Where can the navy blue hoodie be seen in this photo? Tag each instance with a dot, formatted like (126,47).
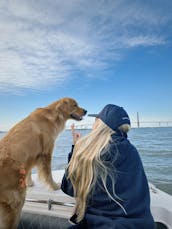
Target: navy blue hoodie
(131,210)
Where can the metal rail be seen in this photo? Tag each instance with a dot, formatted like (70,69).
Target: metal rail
(50,202)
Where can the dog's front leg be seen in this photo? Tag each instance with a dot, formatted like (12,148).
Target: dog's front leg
(44,171)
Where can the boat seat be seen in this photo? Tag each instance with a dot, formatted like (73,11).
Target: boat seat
(37,221)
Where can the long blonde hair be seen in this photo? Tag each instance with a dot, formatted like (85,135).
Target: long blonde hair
(86,164)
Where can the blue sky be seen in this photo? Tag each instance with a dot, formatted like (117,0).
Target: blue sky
(96,52)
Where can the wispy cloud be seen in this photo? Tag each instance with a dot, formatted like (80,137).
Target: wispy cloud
(144,41)
(43,42)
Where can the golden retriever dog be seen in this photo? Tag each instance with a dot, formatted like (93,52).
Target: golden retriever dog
(30,143)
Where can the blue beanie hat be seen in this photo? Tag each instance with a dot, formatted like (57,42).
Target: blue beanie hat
(113,116)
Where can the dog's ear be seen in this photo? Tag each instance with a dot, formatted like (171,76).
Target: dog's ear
(61,106)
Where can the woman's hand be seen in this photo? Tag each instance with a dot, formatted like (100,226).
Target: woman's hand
(75,135)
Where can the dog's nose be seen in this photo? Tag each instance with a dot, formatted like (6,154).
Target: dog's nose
(85,112)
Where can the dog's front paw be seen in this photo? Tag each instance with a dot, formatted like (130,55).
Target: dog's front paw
(55,186)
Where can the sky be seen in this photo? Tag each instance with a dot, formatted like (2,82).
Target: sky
(95,51)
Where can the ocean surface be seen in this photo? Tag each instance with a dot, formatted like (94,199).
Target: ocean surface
(153,144)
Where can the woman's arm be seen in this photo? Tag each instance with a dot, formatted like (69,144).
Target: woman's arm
(66,185)
(70,154)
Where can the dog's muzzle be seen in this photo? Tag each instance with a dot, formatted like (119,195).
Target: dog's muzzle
(78,117)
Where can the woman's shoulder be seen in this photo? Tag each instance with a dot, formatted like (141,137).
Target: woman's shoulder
(119,142)
(125,153)
(122,142)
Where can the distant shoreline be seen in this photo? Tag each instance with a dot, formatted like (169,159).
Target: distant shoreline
(134,127)
(89,128)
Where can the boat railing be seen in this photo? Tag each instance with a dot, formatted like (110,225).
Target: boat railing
(49,202)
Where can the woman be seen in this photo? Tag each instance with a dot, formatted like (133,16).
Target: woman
(106,176)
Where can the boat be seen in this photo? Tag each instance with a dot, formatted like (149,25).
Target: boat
(45,209)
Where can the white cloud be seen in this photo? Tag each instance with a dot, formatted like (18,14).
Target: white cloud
(143,41)
(42,42)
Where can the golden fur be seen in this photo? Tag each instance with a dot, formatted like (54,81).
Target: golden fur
(30,143)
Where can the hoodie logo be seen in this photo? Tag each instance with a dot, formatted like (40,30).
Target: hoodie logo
(125,118)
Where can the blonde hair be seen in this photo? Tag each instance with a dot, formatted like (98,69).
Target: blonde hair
(86,164)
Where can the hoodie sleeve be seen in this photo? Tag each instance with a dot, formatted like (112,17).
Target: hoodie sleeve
(66,185)
(70,154)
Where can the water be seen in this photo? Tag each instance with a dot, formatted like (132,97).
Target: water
(155,148)
(153,144)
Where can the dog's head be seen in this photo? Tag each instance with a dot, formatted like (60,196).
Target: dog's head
(70,109)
